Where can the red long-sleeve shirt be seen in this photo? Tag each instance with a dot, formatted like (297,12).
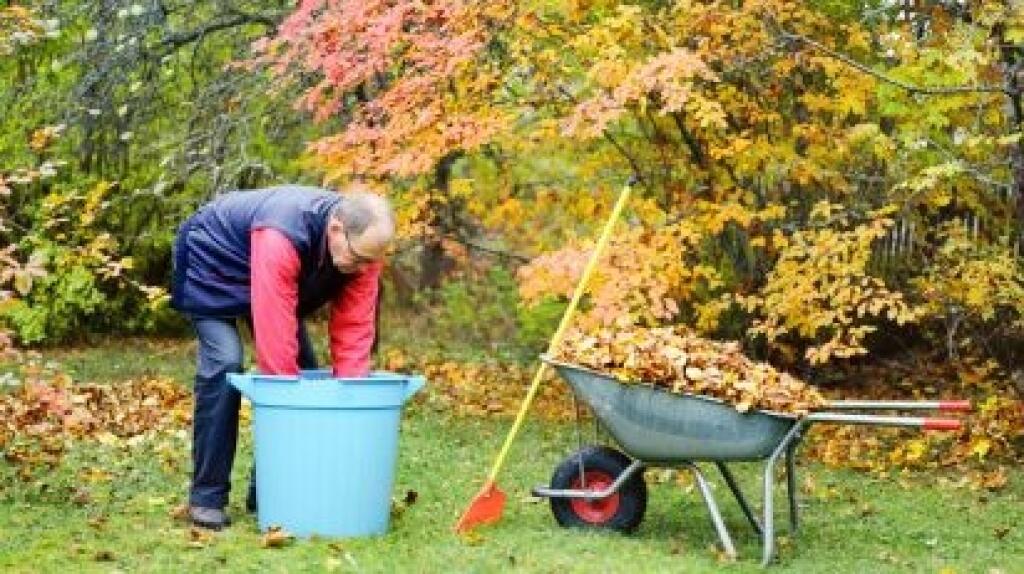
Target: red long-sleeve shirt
(275,294)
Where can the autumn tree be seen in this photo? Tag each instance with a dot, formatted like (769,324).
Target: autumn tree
(127,116)
(831,150)
(857,133)
(414,86)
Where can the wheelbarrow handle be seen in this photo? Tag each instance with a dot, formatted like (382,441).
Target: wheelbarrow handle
(942,406)
(925,423)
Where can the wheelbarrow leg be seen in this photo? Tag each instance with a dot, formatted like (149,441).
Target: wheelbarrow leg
(791,488)
(716,517)
(768,525)
(742,500)
(786,446)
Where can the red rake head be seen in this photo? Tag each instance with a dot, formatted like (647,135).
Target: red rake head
(485,508)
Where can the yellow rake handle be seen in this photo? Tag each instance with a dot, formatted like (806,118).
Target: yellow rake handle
(562,326)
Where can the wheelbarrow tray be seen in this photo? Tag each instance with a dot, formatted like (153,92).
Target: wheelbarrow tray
(658,426)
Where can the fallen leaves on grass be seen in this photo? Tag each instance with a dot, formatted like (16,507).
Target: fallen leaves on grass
(472,538)
(399,506)
(891,558)
(481,389)
(808,486)
(276,537)
(994,480)
(339,550)
(81,497)
(41,417)
(720,555)
(411,496)
(198,537)
(179,512)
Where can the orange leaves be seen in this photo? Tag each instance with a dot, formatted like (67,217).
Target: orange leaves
(420,70)
(481,389)
(679,361)
(276,537)
(554,273)
(38,419)
(650,277)
(637,281)
(591,117)
(669,77)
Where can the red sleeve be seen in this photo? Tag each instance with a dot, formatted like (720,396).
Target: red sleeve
(352,323)
(275,294)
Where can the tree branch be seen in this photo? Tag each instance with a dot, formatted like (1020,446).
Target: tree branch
(608,136)
(691,142)
(969,168)
(271,20)
(939,90)
(488,250)
(236,18)
(622,150)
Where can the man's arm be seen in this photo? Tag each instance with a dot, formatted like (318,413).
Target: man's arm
(274,266)
(352,323)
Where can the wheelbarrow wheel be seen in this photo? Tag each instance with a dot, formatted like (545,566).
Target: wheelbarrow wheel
(621,511)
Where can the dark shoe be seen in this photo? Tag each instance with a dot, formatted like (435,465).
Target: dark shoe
(212,518)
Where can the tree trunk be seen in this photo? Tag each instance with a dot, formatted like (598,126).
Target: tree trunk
(433,260)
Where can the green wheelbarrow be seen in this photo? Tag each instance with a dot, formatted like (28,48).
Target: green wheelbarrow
(603,487)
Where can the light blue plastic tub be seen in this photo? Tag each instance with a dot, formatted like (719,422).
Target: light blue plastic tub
(326,449)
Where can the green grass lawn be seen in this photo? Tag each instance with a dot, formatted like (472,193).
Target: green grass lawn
(107,508)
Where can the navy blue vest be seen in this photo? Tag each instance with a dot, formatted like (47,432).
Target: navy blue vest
(211,250)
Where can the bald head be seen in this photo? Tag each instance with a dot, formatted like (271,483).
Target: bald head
(360,210)
(360,229)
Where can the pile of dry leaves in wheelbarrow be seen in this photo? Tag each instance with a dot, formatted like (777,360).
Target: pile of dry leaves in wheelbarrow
(679,361)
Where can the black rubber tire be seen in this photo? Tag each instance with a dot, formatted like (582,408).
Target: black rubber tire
(632,497)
